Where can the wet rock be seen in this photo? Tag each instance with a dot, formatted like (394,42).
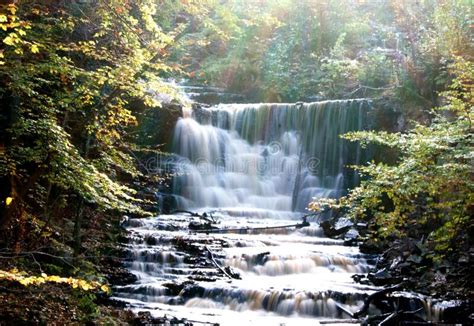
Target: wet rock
(404,268)
(144,318)
(381,277)
(175,288)
(199,226)
(414,259)
(370,247)
(463,260)
(202,278)
(361,278)
(232,272)
(351,234)
(458,312)
(333,230)
(169,204)
(192,291)
(156,126)
(259,259)
(151,241)
(351,238)
(395,262)
(120,276)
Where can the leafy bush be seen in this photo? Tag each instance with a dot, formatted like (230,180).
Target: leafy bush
(429,192)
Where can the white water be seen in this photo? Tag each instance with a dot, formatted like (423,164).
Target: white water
(268,156)
(299,280)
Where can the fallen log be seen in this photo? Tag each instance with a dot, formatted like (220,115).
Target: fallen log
(339,321)
(398,316)
(374,320)
(363,310)
(211,257)
(365,307)
(348,312)
(207,217)
(390,320)
(230,230)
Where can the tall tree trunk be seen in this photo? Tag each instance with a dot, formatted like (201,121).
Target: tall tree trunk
(77,236)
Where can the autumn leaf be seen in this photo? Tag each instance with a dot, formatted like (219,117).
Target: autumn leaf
(9,40)
(105,288)
(34,48)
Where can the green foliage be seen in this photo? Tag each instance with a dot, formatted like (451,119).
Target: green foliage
(429,191)
(290,51)
(67,77)
(86,303)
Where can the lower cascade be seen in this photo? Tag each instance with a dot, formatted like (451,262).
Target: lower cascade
(252,168)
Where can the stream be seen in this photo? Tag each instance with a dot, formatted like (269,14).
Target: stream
(252,167)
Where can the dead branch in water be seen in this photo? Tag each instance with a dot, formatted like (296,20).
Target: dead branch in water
(363,311)
(204,216)
(365,307)
(390,318)
(211,257)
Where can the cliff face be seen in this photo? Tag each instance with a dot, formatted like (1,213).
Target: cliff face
(156,125)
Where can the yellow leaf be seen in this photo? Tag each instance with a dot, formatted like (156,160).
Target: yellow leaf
(3,19)
(12,9)
(8,201)
(34,48)
(55,278)
(26,281)
(83,285)
(39,280)
(105,288)
(9,40)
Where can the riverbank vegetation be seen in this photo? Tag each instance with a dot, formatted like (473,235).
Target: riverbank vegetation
(68,72)
(72,73)
(419,209)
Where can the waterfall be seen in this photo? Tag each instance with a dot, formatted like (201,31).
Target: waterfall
(267,156)
(254,168)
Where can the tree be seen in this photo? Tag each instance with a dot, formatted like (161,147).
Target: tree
(68,70)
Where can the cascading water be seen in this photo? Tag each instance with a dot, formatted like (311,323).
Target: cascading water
(267,156)
(254,166)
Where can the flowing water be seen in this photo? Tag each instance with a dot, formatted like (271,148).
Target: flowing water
(274,157)
(253,166)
